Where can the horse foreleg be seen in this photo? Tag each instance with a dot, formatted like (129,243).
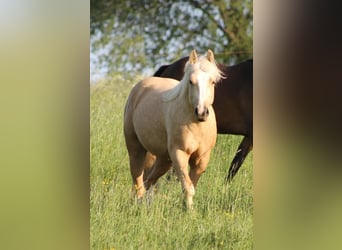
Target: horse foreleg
(180,160)
(160,167)
(244,148)
(198,166)
(148,164)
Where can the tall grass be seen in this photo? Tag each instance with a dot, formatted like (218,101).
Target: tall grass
(222,215)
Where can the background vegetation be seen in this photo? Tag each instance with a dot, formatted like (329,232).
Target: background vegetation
(222,217)
(144,34)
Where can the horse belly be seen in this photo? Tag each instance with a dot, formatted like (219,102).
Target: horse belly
(150,130)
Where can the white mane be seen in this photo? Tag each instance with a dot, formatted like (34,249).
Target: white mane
(172,93)
(203,65)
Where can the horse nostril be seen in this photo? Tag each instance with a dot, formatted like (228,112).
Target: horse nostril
(204,113)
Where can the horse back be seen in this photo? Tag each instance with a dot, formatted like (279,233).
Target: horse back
(174,70)
(150,89)
(160,71)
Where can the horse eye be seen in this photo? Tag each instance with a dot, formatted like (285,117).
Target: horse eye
(191,82)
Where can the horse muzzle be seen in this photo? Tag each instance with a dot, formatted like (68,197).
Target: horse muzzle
(203,115)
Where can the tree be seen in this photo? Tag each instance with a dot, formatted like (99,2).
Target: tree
(148,33)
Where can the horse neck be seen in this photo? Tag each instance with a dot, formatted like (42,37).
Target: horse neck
(183,92)
(183,96)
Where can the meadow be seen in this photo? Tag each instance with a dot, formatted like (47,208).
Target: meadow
(223,214)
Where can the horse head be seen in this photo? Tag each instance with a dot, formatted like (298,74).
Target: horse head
(201,74)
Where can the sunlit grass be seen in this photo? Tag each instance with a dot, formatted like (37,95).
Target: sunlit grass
(222,215)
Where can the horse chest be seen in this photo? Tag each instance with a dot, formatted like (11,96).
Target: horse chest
(192,137)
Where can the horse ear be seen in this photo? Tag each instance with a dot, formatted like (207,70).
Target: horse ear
(193,57)
(210,56)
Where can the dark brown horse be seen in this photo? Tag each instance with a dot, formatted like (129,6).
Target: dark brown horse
(233,104)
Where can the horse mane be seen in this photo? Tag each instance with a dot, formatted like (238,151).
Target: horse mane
(211,68)
(173,93)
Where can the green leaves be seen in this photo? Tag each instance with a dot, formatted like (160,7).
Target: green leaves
(145,34)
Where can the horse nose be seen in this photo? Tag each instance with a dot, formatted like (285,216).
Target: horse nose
(202,116)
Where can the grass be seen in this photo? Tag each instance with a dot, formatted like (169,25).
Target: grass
(223,214)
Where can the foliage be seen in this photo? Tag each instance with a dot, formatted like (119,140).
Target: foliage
(222,216)
(145,33)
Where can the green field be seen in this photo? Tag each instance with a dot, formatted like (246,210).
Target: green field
(222,217)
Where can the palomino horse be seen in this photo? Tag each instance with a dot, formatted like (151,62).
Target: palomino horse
(233,104)
(175,123)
